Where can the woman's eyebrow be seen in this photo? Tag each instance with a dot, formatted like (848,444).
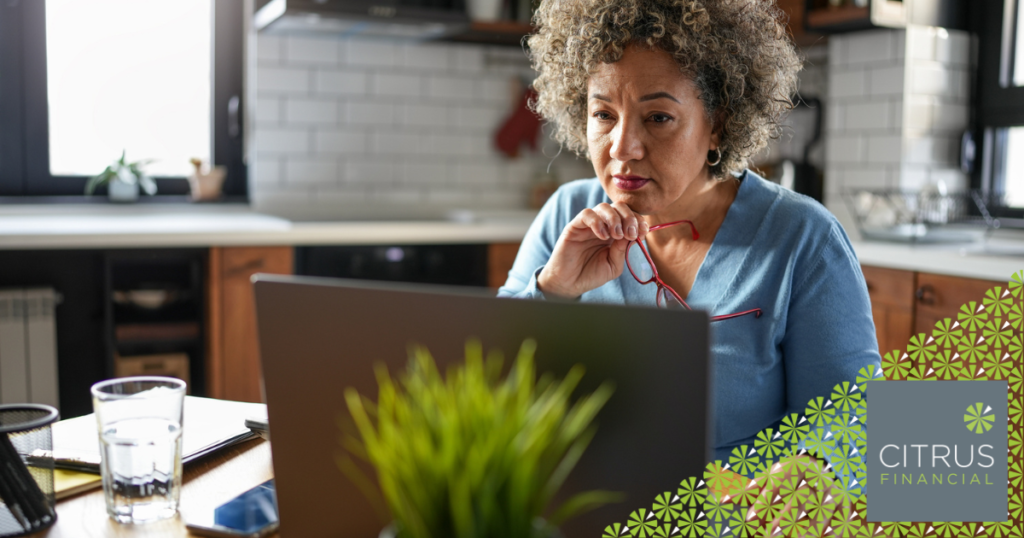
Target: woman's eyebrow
(600,97)
(658,95)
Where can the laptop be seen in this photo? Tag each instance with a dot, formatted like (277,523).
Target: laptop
(318,336)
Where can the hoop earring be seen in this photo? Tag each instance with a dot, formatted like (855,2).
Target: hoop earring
(718,159)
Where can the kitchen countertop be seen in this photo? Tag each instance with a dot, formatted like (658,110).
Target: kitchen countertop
(89,226)
(74,227)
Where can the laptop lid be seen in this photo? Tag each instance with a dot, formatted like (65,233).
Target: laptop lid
(319,336)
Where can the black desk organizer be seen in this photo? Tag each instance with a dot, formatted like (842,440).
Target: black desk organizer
(26,486)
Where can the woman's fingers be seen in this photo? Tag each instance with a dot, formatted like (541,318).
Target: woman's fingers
(630,222)
(612,219)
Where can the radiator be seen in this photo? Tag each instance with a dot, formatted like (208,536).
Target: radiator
(28,346)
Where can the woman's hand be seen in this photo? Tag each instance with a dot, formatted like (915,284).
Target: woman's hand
(591,250)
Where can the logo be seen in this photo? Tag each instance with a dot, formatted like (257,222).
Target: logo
(979,421)
(926,465)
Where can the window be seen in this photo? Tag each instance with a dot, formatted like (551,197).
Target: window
(80,82)
(999,106)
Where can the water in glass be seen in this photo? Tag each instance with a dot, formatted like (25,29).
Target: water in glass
(141,468)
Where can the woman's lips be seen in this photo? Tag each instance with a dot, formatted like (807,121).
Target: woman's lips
(630,183)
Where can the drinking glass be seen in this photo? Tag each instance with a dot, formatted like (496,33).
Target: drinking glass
(139,421)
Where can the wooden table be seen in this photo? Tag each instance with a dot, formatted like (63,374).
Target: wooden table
(208,482)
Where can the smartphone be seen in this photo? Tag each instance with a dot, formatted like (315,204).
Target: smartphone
(252,514)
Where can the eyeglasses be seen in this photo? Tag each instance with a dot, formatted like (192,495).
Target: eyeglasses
(643,270)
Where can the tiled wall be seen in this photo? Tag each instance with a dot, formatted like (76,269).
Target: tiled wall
(898,102)
(343,126)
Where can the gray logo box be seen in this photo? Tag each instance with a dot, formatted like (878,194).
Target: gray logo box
(932,413)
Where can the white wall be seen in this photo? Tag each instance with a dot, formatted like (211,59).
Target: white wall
(898,103)
(347,127)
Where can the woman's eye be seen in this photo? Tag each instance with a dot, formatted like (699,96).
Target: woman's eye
(660,118)
(602,115)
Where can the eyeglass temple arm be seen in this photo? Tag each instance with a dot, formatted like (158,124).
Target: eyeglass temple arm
(756,312)
(693,228)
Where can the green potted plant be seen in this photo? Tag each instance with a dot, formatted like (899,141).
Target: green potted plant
(471,454)
(123,180)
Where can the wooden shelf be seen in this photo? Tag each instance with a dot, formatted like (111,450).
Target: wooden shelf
(838,17)
(508,33)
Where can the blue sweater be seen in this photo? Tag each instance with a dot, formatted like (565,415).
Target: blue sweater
(776,250)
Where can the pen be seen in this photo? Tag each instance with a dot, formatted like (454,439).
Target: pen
(8,495)
(22,487)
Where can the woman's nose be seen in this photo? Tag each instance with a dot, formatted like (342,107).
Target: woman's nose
(627,142)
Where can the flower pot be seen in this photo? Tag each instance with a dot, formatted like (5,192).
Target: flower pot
(122,191)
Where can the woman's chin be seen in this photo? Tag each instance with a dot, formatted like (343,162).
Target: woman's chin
(639,201)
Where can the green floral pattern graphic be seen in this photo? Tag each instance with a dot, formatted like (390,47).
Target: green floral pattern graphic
(978,419)
(807,477)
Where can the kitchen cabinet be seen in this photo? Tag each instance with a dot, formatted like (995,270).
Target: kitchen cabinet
(892,306)
(500,257)
(940,296)
(905,303)
(233,364)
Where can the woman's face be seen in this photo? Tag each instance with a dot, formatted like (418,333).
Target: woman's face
(647,130)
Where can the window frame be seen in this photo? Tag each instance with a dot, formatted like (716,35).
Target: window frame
(24,116)
(995,106)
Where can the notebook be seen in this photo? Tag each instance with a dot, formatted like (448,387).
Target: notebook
(208,426)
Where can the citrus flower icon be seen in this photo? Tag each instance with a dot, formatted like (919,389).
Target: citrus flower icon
(977,420)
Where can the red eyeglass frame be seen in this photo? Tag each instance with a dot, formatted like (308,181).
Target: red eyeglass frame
(662,285)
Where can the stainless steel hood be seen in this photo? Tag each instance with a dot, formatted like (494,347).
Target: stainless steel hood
(397,19)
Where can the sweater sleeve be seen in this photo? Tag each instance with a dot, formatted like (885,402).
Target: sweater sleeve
(536,248)
(830,334)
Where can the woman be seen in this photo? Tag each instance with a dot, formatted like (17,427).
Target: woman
(669,99)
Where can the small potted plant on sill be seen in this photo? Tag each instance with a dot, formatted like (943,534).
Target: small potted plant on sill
(123,180)
(470,454)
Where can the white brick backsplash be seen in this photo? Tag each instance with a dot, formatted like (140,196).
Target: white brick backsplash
(868,47)
(282,80)
(286,140)
(449,198)
(887,81)
(875,115)
(395,143)
(951,117)
(930,150)
(363,113)
(954,49)
(848,84)
(468,59)
(311,171)
(399,196)
(920,114)
(268,48)
(395,84)
(371,53)
(308,50)
(268,111)
(483,118)
(871,178)
(454,88)
(379,174)
(921,43)
(884,149)
(496,90)
(340,141)
(331,196)
(424,173)
(449,145)
(341,82)
(426,57)
(476,174)
(837,50)
(835,117)
(425,115)
(266,171)
(845,149)
(319,111)
(897,115)
(954,179)
(933,79)
(912,177)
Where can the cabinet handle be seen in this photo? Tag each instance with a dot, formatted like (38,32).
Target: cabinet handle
(925,295)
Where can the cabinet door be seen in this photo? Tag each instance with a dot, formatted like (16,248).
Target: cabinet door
(940,296)
(500,257)
(892,306)
(234,365)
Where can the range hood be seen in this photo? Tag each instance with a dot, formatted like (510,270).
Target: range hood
(398,19)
